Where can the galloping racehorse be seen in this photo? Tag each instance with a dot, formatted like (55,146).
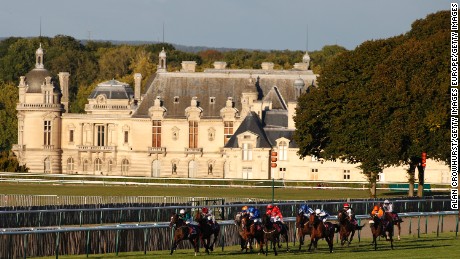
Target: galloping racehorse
(207,230)
(378,228)
(346,228)
(303,227)
(184,232)
(322,230)
(271,233)
(243,223)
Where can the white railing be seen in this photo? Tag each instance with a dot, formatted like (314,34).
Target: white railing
(97,148)
(156,150)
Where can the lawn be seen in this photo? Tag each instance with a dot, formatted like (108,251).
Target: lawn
(250,192)
(427,246)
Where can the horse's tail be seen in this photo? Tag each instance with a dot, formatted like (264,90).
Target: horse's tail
(360,227)
(336,228)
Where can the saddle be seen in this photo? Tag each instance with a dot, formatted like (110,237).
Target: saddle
(192,230)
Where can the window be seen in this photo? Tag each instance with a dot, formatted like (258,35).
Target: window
(282,169)
(228,131)
(156,134)
(97,165)
(100,138)
(71,136)
(109,166)
(85,166)
(48,97)
(212,100)
(346,174)
(126,137)
(70,165)
(124,166)
(47,133)
(247,152)
(282,150)
(176,99)
(314,170)
(193,134)
(174,168)
(47,165)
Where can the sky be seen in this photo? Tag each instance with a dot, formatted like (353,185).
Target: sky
(250,24)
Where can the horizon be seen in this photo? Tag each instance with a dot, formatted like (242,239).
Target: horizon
(258,25)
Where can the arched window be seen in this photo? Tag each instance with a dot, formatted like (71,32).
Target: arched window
(70,165)
(47,165)
(109,166)
(156,166)
(283,150)
(85,166)
(124,166)
(192,169)
(97,165)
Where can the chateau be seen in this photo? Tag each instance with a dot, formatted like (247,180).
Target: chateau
(220,123)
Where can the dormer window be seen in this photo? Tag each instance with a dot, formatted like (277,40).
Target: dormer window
(176,99)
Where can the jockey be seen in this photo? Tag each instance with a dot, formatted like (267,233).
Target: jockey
(350,213)
(322,215)
(254,214)
(377,211)
(276,215)
(185,217)
(244,210)
(305,210)
(269,209)
(388,207)
(208,214)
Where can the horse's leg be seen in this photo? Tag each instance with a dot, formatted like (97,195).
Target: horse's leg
(286,236)
(399,230)
(301,238)
(173,247)
(311,242)
(274,247)
(351,237)
(330,243)
(194,242)
(375,242)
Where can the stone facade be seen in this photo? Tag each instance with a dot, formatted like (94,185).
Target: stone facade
(220,123)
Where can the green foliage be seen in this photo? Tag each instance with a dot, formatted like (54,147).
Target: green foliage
(9,163)
(8,119)
(382,104)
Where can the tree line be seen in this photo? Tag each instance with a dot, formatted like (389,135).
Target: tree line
(383,104)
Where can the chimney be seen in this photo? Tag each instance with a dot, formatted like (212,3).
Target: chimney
(64,83)
(267,65)
(137,86)
(188,66)
(220,65)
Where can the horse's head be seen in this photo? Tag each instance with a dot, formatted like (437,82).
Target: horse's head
(266,219)
(174,220)
(245,221)
(342,216)
(300,219)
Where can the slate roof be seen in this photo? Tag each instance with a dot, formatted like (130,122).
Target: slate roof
(113,89)
(253,124)
(219,84)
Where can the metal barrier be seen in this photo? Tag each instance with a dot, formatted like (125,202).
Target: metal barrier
(25,239)
(156,212)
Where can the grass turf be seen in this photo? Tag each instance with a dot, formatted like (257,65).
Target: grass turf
(262,193)
(427,246)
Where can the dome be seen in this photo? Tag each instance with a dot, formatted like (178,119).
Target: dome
(35,79)
(39,51)
(299,83)
(162,54)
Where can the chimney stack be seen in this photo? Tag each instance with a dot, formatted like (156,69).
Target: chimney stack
(268,65)
(220,65)
(64,83)
(137,86)
(188,66)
